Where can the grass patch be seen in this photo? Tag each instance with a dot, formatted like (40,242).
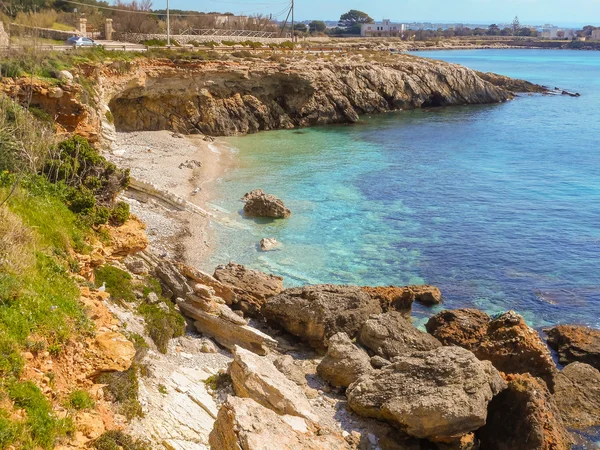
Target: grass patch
(163,322)
(218,381)
(119,284)
(117,440)
(122,387)
(162,389)
(80,400)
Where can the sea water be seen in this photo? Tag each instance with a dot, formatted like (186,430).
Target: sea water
(498,205)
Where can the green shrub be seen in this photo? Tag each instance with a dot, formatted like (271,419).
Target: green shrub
(229,43)
(119,214)
(119,283)
(122,387)
(9,431)
(162,325)
(218,381)
(81,199)
(80,400)
(162,389)
(154,43)
(117,440)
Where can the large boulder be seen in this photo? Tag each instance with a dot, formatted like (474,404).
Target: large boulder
(577,395)
(257,378)
(506,341)
(259,204)
(401,298)
(243,424)
(251,288)
(196,275)
(344,362)
(524,417)
(437,395)
(173,279)
(576,343)
(114,352)
(390,334)
(315,313)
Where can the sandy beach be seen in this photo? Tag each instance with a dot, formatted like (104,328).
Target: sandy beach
(172,177)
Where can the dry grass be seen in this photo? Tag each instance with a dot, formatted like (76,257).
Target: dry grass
(15,239)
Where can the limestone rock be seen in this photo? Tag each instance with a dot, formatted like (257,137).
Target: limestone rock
(226,293)
(225,332)
(116,352)
(251,287)
(315,313)
(577,395)
(287,366)
(576,343)
(344,362)
(524,417)
(257,378)
(128,239)
(259,204)
(401,298)
(168,273)
(243,424)
(390,334)
(269,244)
(506,341)
(65,76)
(435,395)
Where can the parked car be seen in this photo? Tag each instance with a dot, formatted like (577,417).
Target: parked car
(79,41)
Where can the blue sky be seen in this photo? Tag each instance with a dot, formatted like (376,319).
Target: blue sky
(484,11)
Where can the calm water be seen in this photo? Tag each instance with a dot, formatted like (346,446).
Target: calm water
(497,205)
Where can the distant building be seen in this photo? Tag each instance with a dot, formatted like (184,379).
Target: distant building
(596,35)
(558,33)
(385,28)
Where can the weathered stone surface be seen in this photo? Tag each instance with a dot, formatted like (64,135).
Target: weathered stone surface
(226,293)
(168,273)
(226,332)
(436,395)
(251,287)
(344,362)
(259,204)
(577,395)
(243,424)
(315,313)
(287,366)
(390,334)
(269,244)
(524,417)
(576,343)
(257,378)
(506,341)
(463,327)
(116,352)
(401,298)
(128,239)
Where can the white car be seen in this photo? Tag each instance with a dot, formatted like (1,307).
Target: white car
(78,41)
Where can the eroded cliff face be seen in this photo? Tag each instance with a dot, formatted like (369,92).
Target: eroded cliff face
(228,98)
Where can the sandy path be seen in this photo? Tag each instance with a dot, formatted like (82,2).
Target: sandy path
(184,166)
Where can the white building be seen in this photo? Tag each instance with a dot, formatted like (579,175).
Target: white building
(596,35)
(385,28)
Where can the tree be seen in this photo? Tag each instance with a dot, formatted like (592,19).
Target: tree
(353,19)
(302,27)
(317,26)
(516,26)
(493,30)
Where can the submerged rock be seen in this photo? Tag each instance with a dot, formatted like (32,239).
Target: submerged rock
(390,334)
(269,244)
(506,341)
(315,313)
(243,424)
(251,287)
(344,362)
(524,417)
(576,343)
(259,204)
(577,395)
(435,395)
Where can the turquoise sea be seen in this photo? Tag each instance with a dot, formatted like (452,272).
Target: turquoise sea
(498,205)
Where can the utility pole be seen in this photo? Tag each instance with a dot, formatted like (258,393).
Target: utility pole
(293,31)
(168,26)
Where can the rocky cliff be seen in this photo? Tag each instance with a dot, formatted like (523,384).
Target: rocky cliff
(228,98)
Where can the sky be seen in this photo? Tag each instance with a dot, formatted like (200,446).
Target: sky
(559,12)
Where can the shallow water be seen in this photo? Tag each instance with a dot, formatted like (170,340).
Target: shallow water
(497,205)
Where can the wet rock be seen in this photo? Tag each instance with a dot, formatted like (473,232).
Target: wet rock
(315,313)
(259,204)
(510,345)
(243,424)
(435,395)
(269,244)
(576,343)
(524,417)
(577,395)
(344,362)
(257,378)
(251,287)
(390,334)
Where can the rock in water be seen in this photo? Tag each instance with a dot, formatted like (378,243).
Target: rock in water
(269,244)
(243,424)
(344,362)
(524,417)
(576,343)
(401,298)
(435,395)
(315,313)
(390,334)
(577,395)
(259,204)
(506,341)
(251,287)
(257,378)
